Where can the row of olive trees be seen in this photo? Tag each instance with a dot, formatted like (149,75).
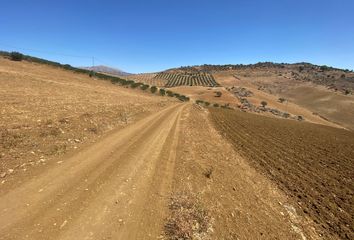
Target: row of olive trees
(207,104)
(152,89)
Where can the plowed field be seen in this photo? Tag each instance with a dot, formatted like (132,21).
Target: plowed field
(311,163)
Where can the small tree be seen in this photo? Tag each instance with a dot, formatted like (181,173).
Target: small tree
(16,56)
(264,103)
(281,100)
(144,87)
(135,85)
(169,93)
(218,94)
(153,89)
(162,92)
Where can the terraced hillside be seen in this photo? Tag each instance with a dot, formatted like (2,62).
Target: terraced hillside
(147,78)
(175,79)
(312,163)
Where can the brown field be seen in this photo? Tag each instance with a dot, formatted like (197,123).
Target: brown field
(313,101)
(82,158)
(334,106)
(46,111)
(312,163)
(207,94)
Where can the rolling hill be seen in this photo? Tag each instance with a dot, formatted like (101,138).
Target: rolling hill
(107,70)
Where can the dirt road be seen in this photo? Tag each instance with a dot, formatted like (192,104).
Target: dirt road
(100,192)
(120,187)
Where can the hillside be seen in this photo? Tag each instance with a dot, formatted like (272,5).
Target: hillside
(317,94)
(98,157)
(107,70)
(49,111)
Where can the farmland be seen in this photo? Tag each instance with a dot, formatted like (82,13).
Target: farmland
(175,79)
(312,163)
(147,78)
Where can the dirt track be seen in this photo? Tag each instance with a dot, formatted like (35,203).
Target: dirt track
(120,187)
(104,186)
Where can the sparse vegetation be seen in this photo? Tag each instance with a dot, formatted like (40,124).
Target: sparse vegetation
(264,103)
(208,172)
(218,94)
(144,87)
(16,56)
(135,85)
(281,100)
(153,89)
(188,219)
(162,92)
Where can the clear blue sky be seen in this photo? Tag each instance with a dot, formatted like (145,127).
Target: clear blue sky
(147,36)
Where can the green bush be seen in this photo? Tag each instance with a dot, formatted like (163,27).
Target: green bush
(153,89)
(162,92)
(281,100)
(218,94)
(16,56)
(169,93)
(264,103)
(135,85)
(144,86)
(216,105)
(183,98)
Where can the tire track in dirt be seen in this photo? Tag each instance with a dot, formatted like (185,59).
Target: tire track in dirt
(105,191)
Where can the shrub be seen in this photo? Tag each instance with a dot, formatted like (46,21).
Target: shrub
(300,118)
(169,93)
(264,103)
(281,100)
(207,103)
(342,76)
(135,85)
(208,172)
(162,92)
(188,219)
(183,98)
(153,89)
(144,87)
(16,56)
(324,68)
(216,105)
(218,94)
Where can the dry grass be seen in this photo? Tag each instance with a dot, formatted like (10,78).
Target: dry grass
(188,219)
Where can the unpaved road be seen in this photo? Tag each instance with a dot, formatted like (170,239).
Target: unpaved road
(120,187)
(100,192)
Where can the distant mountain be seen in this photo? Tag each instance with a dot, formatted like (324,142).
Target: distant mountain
(108,70)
